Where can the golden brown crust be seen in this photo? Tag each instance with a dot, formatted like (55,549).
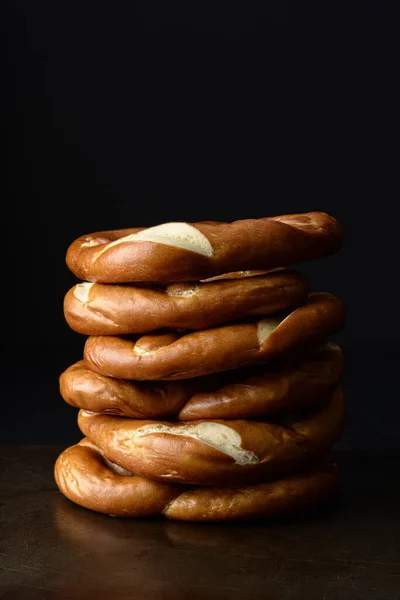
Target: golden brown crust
(104,309)
(182,356)
(84,477)
(83,388)
(215,452)
(245,393)
(301,384)
(293,494)
(245,244)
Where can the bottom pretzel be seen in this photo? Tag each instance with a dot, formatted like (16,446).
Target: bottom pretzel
(84,476)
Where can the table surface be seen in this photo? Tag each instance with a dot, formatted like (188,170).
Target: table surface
(50,548)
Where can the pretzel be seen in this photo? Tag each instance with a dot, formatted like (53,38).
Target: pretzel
(174,355)
(244,393)
(218,451)
(86,478)
(192,251)
(103,309)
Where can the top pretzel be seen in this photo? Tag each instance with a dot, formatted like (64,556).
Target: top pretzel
(175,252)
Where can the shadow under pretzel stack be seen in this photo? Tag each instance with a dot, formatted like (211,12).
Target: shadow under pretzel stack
(209,389)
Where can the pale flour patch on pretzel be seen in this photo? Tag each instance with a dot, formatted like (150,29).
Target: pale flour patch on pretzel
(266,327)
(142,352)
(218,436)
(179,235)
(82,290)
(187,293)
(90,242)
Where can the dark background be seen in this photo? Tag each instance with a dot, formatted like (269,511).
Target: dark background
(121,116)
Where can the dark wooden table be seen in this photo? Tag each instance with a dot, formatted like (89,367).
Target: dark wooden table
(50,548)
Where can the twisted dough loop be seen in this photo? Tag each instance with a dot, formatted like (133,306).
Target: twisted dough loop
(83,476)
(178,356)
(214,452)
(101,309)
(247,393)
(186,252)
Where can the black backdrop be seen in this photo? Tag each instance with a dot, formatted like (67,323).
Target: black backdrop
(119,117)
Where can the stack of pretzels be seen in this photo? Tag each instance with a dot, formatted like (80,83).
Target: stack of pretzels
(209,388)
